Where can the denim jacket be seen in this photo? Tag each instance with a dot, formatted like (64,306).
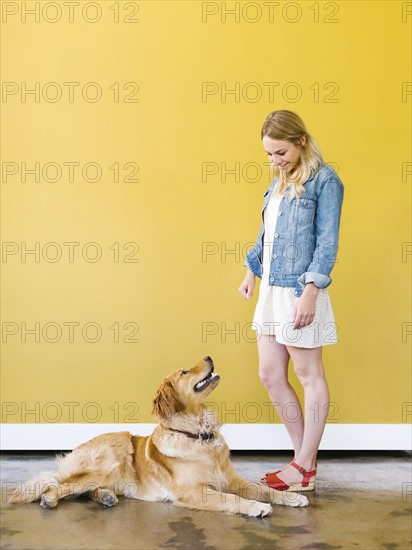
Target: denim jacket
(305,242)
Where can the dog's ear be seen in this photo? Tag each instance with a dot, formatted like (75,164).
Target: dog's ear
(166,401)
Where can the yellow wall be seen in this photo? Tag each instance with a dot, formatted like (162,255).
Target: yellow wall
(342,66)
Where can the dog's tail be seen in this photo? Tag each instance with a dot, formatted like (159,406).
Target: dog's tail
(31,490)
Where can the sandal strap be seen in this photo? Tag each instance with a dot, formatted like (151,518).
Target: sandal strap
(306,474)
(273,481)
(271,477)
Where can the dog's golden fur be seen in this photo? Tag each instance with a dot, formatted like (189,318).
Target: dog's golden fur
(185,460)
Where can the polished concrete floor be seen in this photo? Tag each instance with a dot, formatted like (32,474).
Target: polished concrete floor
(361,501)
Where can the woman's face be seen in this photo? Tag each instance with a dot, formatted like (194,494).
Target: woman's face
(282,153)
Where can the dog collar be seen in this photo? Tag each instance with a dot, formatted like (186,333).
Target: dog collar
(204,436)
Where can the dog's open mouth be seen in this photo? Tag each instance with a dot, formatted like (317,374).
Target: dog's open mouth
(206,381)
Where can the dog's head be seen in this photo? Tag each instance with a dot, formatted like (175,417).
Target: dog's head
(185,390)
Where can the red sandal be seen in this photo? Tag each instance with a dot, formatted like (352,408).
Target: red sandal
(273,481)
(264,479)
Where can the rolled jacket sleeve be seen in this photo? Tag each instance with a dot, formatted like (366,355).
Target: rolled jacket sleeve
(318,279)
(327,223)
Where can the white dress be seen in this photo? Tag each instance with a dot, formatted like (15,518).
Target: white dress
(275,307)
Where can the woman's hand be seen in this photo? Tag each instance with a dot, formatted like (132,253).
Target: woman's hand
(305,307)
(248,284)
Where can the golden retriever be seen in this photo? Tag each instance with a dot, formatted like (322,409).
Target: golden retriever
(185,460)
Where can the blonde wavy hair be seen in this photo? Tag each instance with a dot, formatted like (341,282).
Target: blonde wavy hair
(288,126)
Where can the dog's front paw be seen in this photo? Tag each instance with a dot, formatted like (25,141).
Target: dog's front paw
(104,496)
(108,498)
(294,499)
(257,509)
(48,501)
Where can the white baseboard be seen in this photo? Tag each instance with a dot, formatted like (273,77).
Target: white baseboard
(250,437)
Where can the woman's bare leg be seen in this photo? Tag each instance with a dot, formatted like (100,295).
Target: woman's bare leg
(309,370)
(273,372)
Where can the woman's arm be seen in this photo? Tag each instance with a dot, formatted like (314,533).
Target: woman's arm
(327,220)
(247,285)
(327,223)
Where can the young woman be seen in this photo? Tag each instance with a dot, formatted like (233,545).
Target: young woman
(294,254)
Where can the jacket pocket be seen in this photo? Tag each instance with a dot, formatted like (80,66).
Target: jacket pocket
(306,211)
